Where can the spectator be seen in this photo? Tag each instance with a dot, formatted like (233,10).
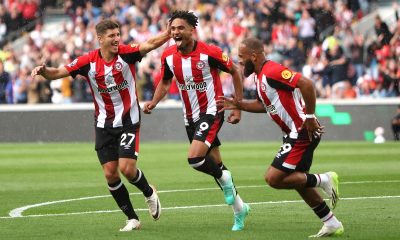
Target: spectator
(20,93)
(5,80)
(382,31)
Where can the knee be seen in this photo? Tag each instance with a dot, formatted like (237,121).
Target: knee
(111,176)
(196,162)
(128,171)
(272,181)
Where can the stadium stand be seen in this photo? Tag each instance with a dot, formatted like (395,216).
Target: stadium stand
(314,37)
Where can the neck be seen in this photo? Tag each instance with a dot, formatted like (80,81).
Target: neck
(259,65)
(189,48)
(106,55)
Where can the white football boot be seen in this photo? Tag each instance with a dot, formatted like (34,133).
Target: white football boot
(154,204)
(131,224)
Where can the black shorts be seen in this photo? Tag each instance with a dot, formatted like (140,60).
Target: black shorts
(206,129)
(295,154)
(115,143)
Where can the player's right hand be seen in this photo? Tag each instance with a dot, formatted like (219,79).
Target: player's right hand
(39,70)
(147,107)
(226,103)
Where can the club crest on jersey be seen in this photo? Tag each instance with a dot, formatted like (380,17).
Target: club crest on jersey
(118,66)
(286,74)
(73,63)
(263,87)
(200,65)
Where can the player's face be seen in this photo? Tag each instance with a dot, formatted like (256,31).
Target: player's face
(182,33)
(109,41)
(245,60)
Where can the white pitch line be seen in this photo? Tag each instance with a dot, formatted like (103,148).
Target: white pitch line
(17,212)
(195,206)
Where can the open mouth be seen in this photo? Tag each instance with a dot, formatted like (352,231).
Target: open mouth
(115,44)
(178,41)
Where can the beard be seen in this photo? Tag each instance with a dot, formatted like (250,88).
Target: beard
(248,68)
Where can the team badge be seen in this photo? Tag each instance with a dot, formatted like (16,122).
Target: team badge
(118,66)
(73,63)
(286,74)
(200,65)
(263,87)
(134,45)
(225,57)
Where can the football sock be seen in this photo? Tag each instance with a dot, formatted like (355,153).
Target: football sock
(221,165)
(237,205)
(312,180)
(326,215)
(121,196)
(205,165)
(140,182)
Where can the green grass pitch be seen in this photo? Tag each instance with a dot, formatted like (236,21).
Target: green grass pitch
(60,193)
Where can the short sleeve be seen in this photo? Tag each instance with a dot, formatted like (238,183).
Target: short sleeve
(219,59)
(78,66)
(130,53)
(280,75)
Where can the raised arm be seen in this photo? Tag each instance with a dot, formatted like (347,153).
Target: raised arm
(155,42)
(50,73)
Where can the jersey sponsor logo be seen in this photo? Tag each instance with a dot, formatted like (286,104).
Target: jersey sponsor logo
(118,66)
(114,88)
(200,65)
(271,109)
(73,63)
(286,74)
(201,86)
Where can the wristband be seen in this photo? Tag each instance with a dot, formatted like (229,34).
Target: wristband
(310,116)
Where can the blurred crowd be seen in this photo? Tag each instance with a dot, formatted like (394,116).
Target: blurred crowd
(310,36)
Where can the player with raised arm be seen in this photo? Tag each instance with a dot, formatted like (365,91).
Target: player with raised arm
(289,99)
(110,72)
(196,67)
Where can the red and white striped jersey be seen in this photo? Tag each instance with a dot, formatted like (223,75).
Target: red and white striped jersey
(276,88)
(112,84)
(197,77)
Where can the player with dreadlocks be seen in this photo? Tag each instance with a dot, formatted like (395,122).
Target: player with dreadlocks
(196,67)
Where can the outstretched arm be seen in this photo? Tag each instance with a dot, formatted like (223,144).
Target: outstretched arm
(161,91)
(253,106)
(155,42)
(50,73)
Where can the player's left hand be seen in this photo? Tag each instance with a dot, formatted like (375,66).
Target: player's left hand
(235,116)
(313,128)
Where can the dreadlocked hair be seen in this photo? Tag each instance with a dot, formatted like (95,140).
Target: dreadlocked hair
(189,17)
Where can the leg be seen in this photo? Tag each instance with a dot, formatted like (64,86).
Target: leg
(128,152)
(118,189)
(107,153)
(240,209)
